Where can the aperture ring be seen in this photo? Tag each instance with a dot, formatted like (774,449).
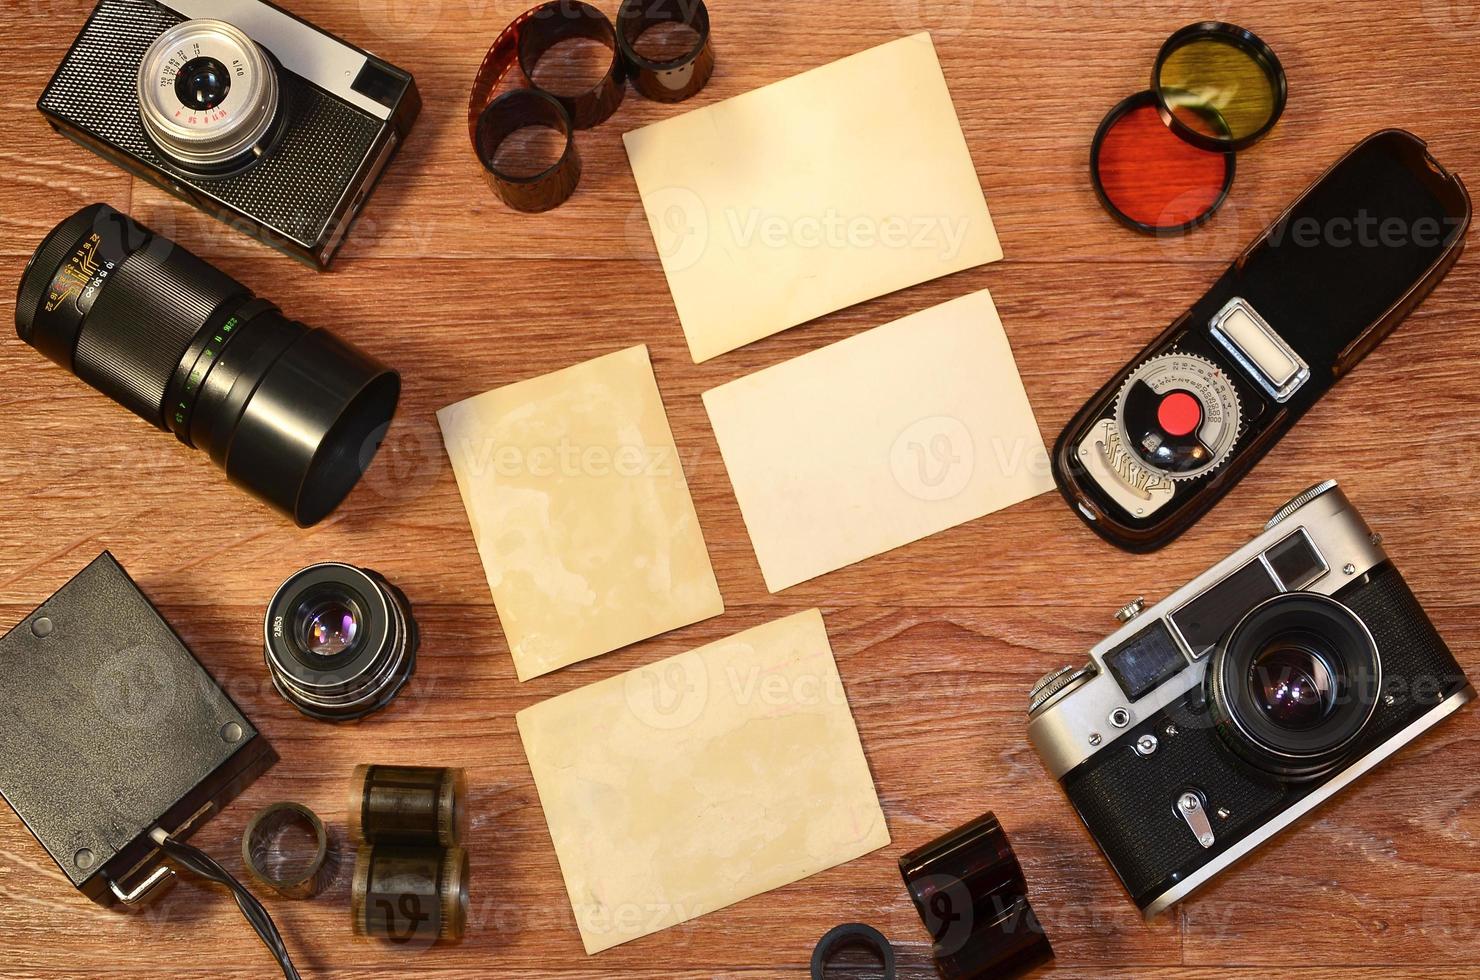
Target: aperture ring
(204,352)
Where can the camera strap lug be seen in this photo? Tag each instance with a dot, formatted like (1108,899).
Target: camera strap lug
(1190,805)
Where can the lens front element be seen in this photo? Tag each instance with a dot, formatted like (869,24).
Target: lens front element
(340,641)
(1294,684)
(330,627)
(208,95)
(203,84)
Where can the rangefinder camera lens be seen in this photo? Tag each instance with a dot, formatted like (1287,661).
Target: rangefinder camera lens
(292,414)
(341,641)
(209,97)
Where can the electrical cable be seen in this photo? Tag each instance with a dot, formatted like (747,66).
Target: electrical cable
(196,860)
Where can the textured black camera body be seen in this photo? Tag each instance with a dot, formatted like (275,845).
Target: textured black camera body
(1167,762)
(287,147)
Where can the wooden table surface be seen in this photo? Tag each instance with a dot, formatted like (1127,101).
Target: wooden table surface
(938,643)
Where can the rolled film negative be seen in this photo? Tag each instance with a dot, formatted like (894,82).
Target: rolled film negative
(408,805)
(671,79)
(271,857)
(1151,180)
(852,936)
(492,120)
(410,895)
(1218,86)
(536,191)
(973,898)
(493,117)
(562,20)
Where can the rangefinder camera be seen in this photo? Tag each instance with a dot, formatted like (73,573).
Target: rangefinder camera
(1212,721)
(249,113)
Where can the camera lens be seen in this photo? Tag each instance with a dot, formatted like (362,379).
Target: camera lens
(203,84)
(341,641)
(292,414)
(1294,684)
(203,116)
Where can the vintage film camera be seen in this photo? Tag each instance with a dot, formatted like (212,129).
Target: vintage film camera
(249,113)
(1215,719)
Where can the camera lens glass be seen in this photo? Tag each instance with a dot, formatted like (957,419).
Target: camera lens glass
(293,415)
(1294,684)
(330,627)
(203,84)
(340,641)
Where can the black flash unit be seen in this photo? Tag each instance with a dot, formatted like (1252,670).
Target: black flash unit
(110,729)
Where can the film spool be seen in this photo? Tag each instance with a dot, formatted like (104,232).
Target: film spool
(410,895)
(511,112)
(972,896)
(562,20)
(290,875)
(493,116)
(674,79)
(853,935)
(410,806)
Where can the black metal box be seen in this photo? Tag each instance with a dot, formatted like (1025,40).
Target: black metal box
(109,727)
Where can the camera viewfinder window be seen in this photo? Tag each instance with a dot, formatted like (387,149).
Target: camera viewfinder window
(1143,663)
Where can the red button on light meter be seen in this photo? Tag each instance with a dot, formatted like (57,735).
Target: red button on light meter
(1179,414)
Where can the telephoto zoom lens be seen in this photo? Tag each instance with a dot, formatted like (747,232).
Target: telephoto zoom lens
(341,641)
(292,414)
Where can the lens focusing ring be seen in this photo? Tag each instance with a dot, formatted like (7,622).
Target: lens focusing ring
(217,137)
(1306,752)
(142,324)
(367,676)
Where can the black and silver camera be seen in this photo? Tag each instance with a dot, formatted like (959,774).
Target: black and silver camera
(1213,720)
(240,108)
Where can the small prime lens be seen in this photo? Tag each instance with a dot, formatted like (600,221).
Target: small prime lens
(1293,686)
(341,641)
(202,115)
(292,414)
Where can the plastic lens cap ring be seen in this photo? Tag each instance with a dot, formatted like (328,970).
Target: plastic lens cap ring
(854,935)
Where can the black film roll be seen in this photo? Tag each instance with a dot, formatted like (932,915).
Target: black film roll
(408,805)
(674,79)
(971,894)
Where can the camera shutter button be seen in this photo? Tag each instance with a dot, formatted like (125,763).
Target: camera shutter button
(1130,610)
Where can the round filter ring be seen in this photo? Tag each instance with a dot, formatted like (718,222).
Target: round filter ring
(1218,84)
(1133,130)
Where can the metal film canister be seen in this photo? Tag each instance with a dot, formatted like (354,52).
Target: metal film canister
(409,806)
(410,894)
(971,894)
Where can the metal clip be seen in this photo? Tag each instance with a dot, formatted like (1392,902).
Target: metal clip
(146,890)
(1191,808)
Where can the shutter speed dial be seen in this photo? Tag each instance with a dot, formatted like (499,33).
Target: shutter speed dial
(1179,415)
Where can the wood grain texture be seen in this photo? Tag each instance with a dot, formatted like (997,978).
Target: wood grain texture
(937,643)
